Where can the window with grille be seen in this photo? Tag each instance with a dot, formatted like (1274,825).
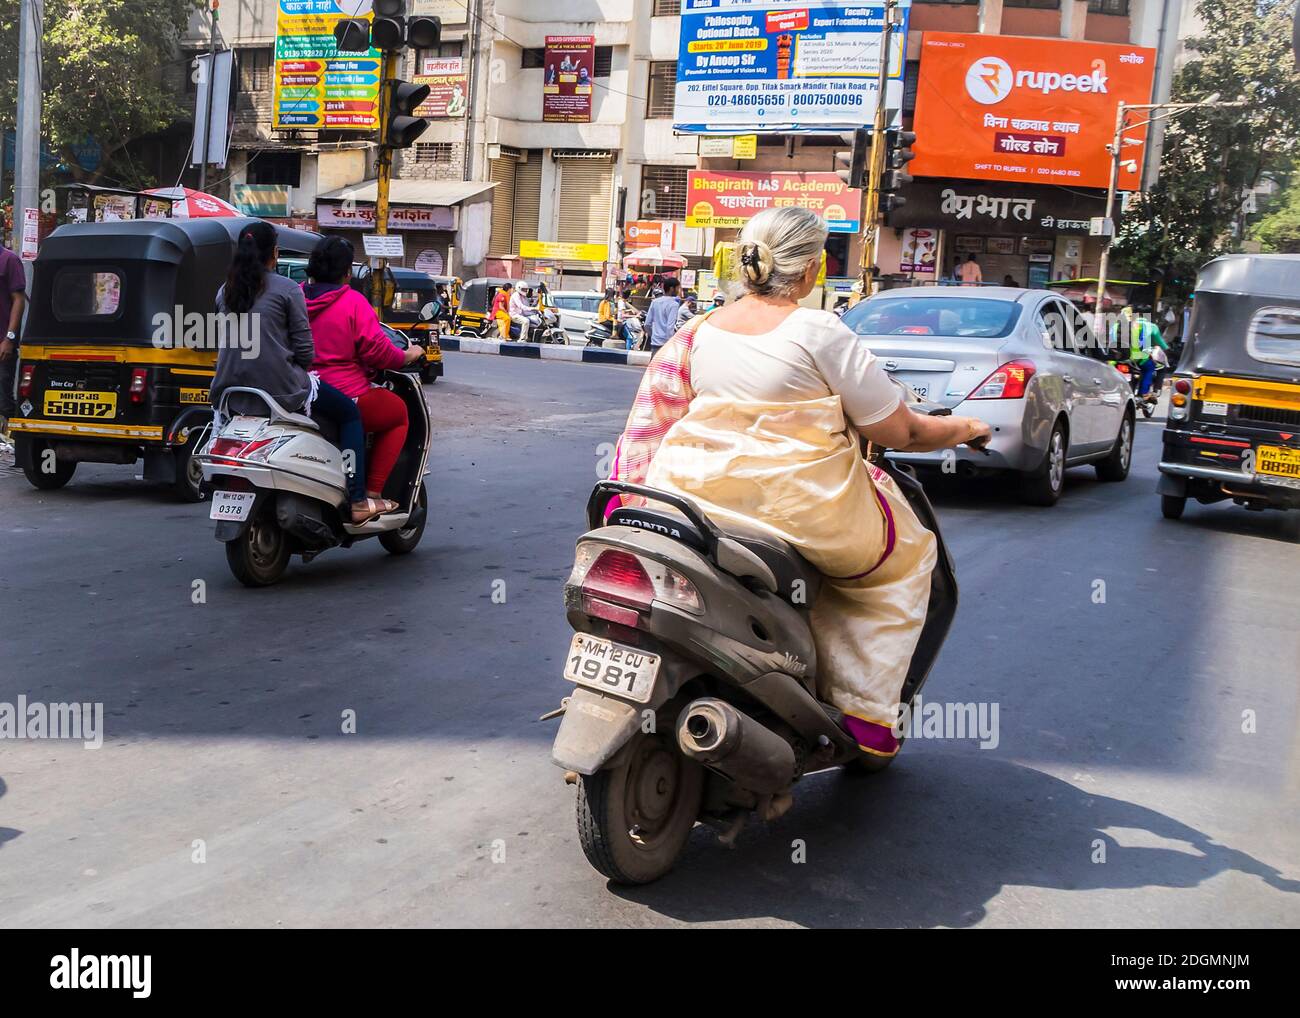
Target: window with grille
(663,82)
(1119,7)
(255,67)
(666,8)
(663,192)
(268,166)
(433,152)
(1042,5)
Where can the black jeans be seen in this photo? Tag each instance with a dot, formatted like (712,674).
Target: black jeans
(332,404)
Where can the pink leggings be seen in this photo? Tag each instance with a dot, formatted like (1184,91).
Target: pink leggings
(383,414)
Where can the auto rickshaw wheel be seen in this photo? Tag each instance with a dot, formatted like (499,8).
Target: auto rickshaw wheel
(259,556)
(35,454)
(188,484)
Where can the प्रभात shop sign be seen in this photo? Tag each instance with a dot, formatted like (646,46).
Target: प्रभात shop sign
(315,85)
(754,66)
(729,200)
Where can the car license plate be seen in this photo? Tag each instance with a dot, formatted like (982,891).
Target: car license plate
(1278,463)
(80,403)
(611,667)
(232,505)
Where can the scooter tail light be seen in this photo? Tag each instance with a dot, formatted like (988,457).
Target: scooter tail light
(1008,381)
(25,380)
(621,577)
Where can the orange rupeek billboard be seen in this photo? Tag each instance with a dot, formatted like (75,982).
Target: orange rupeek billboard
(1041,111)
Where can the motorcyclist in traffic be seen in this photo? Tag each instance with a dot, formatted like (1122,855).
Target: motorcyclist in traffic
(1142,337)
(279,362)
(755,411)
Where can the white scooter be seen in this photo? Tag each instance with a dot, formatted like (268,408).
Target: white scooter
(279,488)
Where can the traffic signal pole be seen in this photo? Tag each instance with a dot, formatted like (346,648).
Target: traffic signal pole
(870,234)
(383,173)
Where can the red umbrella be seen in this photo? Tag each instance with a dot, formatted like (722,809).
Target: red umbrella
(190,204)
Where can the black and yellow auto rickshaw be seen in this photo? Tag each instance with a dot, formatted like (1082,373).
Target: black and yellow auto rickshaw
(408,310)
(1234,418)
(474,316)
(120,346)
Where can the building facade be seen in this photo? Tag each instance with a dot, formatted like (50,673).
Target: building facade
(499,184)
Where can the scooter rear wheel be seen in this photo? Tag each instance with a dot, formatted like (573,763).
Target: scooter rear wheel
(400,542)
(259,556)
(634,818)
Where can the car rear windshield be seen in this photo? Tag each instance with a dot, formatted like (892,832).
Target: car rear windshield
(979,317)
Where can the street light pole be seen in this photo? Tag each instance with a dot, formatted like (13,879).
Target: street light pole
(1116,145)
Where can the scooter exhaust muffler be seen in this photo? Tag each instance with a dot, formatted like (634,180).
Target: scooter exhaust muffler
(732,743)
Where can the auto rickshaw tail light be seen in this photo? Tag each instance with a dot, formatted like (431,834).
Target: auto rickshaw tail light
(139,381)
(1183,385)
(1178,399)
(1009,381)
(25,380)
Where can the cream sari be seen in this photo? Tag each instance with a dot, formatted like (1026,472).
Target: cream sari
(795,469)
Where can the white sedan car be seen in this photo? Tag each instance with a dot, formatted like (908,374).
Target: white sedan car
(577,310)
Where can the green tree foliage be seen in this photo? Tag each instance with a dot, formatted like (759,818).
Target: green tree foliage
(1279,230)
(1210,156)
(102,66)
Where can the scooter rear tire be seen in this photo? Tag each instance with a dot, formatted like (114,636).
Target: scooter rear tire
(616,802)
(259,556)
(402,542)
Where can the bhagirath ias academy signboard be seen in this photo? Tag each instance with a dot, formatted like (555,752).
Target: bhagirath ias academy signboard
(1040,111)
(315,85)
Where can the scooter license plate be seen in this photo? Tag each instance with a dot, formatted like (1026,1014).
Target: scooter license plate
(611,667)
(232,505)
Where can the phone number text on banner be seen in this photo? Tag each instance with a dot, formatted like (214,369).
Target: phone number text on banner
(747,66)
(315,85)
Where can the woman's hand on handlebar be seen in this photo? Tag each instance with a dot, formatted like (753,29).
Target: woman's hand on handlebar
(412,354)
(980,433)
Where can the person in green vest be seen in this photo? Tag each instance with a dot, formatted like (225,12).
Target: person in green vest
(1144,338)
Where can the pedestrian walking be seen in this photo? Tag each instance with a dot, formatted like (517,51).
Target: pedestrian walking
(661,319)
(969,272)
(13,301)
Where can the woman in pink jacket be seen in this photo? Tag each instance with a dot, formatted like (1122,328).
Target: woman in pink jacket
(350,348)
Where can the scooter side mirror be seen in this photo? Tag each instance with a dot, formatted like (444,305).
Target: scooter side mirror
(429,312)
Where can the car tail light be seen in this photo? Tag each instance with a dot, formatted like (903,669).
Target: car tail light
(25,380)
(139,380)
(1183,385)
(1009,381)
(1122,369)
(631,580)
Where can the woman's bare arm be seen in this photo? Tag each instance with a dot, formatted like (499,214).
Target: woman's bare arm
(907,431)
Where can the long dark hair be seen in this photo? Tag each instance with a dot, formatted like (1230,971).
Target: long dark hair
(246,278)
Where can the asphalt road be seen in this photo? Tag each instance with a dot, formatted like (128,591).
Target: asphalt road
(1123,790)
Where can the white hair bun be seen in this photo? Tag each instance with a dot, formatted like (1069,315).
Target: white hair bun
(757,262)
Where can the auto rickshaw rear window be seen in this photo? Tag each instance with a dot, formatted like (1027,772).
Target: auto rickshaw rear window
(83,294)
(410,301)
(1274,336)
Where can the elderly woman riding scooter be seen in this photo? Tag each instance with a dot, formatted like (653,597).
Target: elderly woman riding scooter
(754,410)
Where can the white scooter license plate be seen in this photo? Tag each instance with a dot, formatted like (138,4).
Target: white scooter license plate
(232,505)
(611,667)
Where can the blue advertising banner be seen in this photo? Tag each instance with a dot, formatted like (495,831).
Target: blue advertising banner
(747,66)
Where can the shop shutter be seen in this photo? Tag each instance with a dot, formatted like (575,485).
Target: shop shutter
(528,198)
(503,207)
(585,201)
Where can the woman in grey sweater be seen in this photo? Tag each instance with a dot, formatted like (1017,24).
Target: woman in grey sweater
(278,360)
